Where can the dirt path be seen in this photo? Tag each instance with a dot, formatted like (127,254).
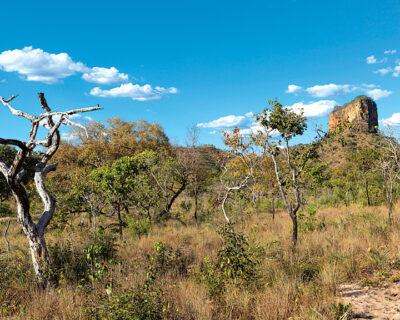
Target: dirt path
(381,302)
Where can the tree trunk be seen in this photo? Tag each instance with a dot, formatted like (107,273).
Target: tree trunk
(195,207)
(273,206)
(119,220)
(40,256)
(390,205)
(294,234)
(367,192)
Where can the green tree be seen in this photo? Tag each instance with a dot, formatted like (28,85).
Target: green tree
(117,182)
(288,124)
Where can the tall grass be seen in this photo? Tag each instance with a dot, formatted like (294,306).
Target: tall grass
(162,269)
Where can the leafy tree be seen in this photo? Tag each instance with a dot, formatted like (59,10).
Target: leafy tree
(160,181)
(117,182)
(364,162)
(288,124)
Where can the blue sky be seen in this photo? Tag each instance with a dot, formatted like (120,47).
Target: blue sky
(205,63)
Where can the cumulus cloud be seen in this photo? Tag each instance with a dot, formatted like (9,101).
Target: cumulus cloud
(134,91)
(104,75)
(377,94)
(371,59)
(38,65)
(226,122)
(390,51)
(394,120)
(339,90)
(328,90)
(292,88)
(316,109)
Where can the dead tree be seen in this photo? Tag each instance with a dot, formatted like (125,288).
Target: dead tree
(13,175)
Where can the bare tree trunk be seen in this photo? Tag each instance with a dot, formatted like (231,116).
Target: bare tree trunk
(5,236)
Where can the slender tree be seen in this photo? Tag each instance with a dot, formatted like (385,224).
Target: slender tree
(16,171)
(285,124)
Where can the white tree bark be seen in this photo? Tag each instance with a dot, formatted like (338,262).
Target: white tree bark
(14,173)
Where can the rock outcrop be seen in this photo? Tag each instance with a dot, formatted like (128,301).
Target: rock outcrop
(361,112)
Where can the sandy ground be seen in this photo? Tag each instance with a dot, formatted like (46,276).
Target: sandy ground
(381,302)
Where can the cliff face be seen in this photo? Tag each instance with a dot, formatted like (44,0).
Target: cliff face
(361,111)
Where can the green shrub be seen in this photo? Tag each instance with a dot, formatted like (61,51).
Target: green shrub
(5,210)
(80,265)
(139,227)
(168,260)
(144,302)
(236,263)
(309,222)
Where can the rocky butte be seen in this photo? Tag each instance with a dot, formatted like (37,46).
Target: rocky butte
(361,112)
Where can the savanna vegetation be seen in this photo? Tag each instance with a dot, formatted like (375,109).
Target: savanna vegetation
(135,227)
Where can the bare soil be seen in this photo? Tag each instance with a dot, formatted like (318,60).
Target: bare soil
(367,302)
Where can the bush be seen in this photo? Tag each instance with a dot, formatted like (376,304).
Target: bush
(139,227)
(145,302)
(168,260)
(74,265)
(5,210)
(308,222)
(236,263)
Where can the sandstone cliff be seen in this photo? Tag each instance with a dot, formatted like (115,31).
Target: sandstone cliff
(361,112)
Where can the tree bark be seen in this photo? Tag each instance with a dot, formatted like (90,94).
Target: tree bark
(367,192)
(294,234)
(273,206)
(195,207)
(5,236)
(119,220)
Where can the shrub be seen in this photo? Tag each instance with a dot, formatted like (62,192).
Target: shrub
(139,227)
(77,265)
(168,260)
(236,263)
(144,302)
(5,210)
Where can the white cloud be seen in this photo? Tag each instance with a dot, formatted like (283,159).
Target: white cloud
(104,75)
(292,88)
(225,122)
(396,71)
(80,118)
(371,59)
(69,136)
(384,71)
(390,51)
(394,120)
(328,90)
(377,94)
(314,109)
(38,65)
(134,91)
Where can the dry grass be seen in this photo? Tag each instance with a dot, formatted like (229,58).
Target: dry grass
(352,243)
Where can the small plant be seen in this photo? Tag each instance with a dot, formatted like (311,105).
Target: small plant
(144,302)
(342,311)
(166,259)
(5,210)
(308,222)
(139,227)
(236,263)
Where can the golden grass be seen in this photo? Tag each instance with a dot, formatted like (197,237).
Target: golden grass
(354,243)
